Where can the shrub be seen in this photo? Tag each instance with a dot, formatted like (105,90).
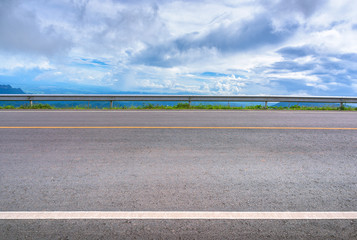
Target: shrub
(182,105)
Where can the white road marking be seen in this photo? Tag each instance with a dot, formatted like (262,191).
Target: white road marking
(173,215)
(170,127)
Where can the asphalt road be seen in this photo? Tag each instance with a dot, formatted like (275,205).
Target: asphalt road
(175,169)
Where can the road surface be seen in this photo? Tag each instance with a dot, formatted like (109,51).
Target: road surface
(185,161)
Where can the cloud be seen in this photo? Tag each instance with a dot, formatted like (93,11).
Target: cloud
(113,28)
(21,32)
(176,46)
(208,83)
(292,66)
(296,52)
(225,39)
(247,35)
(228,85)
(349,57)
(312,68)
(286,7)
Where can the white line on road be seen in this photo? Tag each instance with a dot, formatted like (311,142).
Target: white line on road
(173,215)
(171,127)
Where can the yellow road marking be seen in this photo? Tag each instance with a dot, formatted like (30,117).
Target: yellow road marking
(175,215)
(153,127)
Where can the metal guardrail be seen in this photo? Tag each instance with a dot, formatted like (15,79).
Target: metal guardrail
(179,98)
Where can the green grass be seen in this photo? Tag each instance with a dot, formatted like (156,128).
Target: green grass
(35,106)
(180,106)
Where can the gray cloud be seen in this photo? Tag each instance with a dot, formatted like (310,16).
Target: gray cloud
(296,52)
(236,37)
(286,7)
(252,34)
(20,32)
(333,72)
(349,57)
(292,66)
(122,30)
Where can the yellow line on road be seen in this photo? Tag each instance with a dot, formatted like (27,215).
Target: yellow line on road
(153,127)
(165,215)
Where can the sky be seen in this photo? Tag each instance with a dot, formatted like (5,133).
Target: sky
(227,47)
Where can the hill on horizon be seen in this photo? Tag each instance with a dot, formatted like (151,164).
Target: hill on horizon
(8,89)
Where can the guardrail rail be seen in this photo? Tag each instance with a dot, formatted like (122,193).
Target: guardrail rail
(179,98)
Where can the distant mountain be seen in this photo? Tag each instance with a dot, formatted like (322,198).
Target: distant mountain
(7,89)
